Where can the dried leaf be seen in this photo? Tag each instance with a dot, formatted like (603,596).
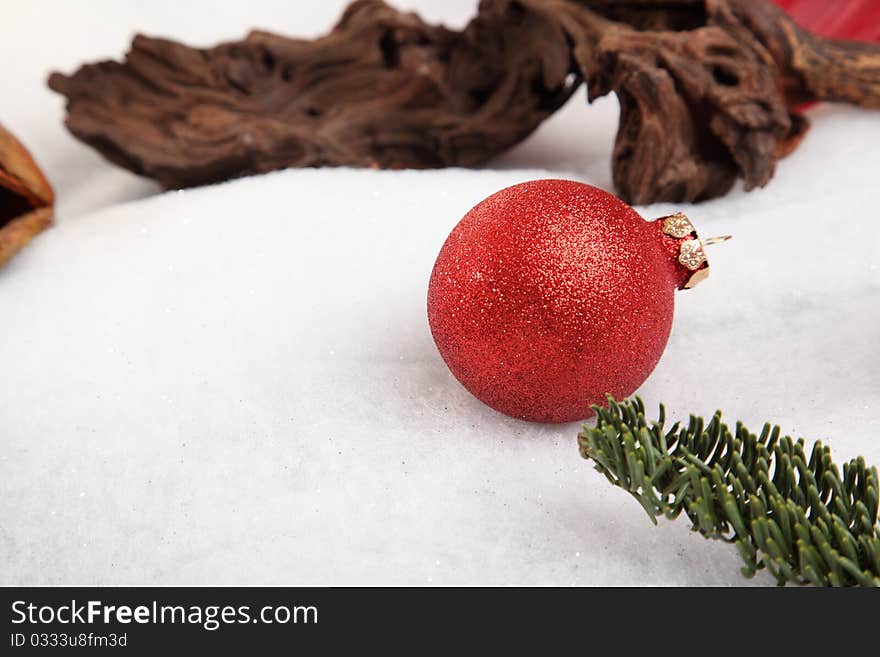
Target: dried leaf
(26,198)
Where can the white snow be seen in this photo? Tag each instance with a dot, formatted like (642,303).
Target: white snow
(237,385)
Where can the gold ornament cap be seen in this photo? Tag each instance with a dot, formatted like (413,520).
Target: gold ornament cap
(691,249)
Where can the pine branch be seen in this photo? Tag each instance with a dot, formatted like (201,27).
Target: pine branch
(798,517)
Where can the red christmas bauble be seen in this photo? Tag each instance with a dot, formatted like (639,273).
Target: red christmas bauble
(549,294)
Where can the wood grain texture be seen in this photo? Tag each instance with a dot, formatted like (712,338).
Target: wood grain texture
(707,90)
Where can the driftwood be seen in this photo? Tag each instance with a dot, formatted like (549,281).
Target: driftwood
(707,90)
(25,197)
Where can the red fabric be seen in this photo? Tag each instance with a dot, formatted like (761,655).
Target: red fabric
(843,19)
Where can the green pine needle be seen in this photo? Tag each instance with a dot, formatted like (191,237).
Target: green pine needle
(798,517)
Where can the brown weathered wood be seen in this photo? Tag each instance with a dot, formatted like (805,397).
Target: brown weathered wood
(383,89)
(707,90)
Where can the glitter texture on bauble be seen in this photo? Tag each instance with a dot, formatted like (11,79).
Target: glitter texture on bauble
(549,294)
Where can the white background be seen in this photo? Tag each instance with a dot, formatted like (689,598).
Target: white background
(237,385)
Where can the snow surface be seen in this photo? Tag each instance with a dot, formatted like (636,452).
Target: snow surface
(236,384)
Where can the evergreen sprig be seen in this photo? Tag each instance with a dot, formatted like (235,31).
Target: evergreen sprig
(798,517)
